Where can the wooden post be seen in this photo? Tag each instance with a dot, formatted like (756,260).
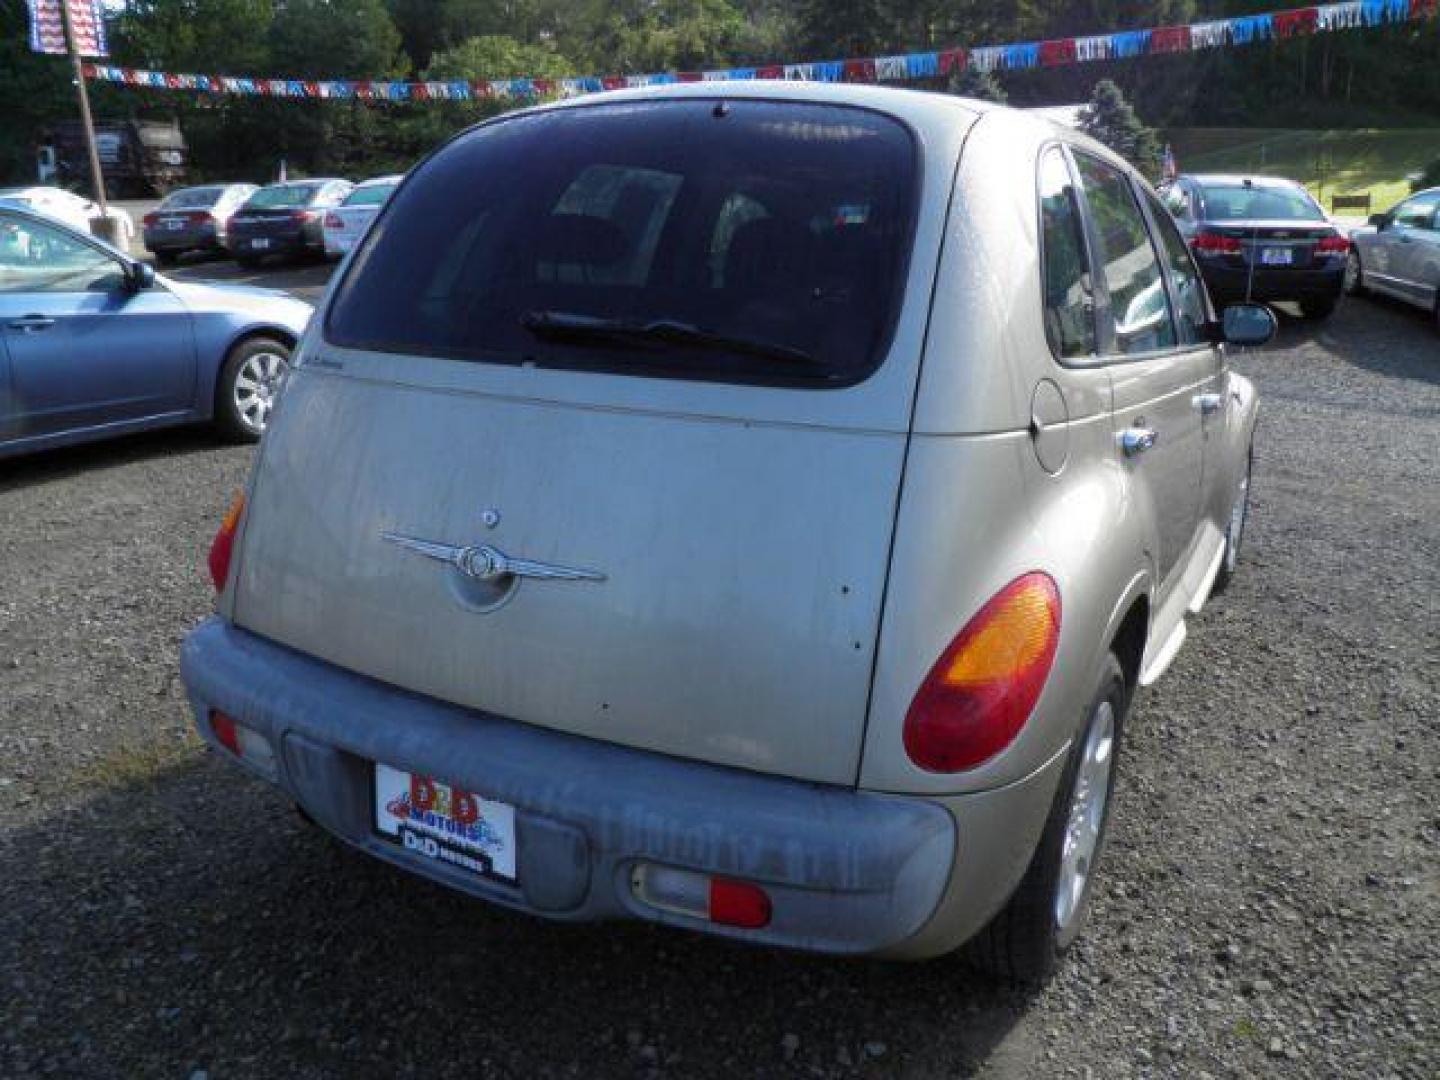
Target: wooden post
(105,228)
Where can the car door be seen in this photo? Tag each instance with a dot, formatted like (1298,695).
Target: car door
(85,348)
(1415,248)
(1154,374)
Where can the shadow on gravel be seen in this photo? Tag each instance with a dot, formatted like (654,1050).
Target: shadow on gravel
(192,921)
(1377,333)
(55,466)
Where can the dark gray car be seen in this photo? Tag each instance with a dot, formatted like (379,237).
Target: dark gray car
(285,219)
(193,219)
(1399,253)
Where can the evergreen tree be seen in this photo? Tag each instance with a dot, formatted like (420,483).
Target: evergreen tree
(1110,119)
(972,83)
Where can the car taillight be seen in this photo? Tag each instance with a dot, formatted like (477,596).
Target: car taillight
(150,218)
(244,742)
(720,900)
(981,691)
(198,217)
(1332,245)
(1215,243)
(223,546)
(334,221)
(302,215)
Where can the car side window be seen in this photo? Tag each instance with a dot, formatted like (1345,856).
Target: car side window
(39,258)
(1065,270)
(1139,309)
(1188,287)
(1418,213)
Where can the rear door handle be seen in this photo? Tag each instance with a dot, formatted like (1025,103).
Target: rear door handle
(1208,403)
(31,322)
(1136,440)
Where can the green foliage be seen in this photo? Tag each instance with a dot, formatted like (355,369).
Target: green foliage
(494,56)
(1429,177)
(1110,119)
(983,85)
(335,39)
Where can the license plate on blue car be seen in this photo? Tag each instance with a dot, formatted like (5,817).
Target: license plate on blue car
(1275,256)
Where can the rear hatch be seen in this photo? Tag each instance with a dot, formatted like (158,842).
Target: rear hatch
(279,223)
(671,360)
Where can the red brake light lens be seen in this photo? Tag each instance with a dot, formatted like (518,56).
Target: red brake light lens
(1215,244)
(223,546)
(983,688)
(225,731)
(738,903)
(150,218)
(1332,245)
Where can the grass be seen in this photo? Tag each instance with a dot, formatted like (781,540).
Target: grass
(135,763)
(1328,163)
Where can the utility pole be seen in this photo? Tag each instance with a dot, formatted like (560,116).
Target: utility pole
(104,228)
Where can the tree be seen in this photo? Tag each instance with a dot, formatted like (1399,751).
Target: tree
(495,56)
(1110,119)
(1428,177)
(972,83)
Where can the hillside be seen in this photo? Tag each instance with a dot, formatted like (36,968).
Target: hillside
(1327,162)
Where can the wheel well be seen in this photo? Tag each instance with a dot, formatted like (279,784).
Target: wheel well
(1129,644)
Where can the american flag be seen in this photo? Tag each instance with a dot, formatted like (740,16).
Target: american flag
(47,27)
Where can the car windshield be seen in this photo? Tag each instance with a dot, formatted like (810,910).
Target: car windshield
(281,195)
(370,195)
(193,197)
(687,239)
(1240,202)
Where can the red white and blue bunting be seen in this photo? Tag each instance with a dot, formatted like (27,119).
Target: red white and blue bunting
(47,27)
(1159,40)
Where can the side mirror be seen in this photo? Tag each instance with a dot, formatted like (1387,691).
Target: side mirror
(1380,220)
(1248,324)
(139,275)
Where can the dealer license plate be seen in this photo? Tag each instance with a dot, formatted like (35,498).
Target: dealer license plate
(1275,256)
(259,244)
(439,821)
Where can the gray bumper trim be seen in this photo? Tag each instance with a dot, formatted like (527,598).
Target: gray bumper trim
(847,871)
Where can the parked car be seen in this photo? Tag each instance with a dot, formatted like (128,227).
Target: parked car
(284,219)
(93,343)
(193,219)
(346,224)
(777,528)
(74,210)
(1399,253)
(1261,238)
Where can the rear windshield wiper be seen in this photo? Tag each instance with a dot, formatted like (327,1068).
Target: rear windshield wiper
(568,326)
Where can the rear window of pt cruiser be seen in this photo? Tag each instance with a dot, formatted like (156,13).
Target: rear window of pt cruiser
(741,241)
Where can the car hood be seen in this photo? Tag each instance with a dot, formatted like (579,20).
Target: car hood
(270,304)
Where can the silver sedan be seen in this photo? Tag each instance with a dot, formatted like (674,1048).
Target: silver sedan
(1398,253)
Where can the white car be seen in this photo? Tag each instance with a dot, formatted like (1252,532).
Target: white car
(74,210)
(346,223)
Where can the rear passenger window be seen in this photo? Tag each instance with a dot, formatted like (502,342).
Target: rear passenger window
(1189,289)
(1139,309)
(1069,302)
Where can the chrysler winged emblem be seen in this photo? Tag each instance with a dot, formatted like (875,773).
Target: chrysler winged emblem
(486,563)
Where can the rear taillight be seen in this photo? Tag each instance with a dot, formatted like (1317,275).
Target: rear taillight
(244,742)
(1332,245)
(199,217)
(150,218)
(334,221)
(302,215)
(223,546)
(981,691)
(1215,243)
(724,901)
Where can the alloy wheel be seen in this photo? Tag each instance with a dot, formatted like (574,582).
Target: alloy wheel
(1086,817)
(257,386)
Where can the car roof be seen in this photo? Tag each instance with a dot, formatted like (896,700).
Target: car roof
(1241,179)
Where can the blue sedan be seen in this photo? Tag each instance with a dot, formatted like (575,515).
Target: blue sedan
(94,344)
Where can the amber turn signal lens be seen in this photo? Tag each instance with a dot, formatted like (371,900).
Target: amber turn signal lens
(982,689)
(223,546)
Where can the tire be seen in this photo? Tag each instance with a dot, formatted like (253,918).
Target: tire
(1235,526)
(1319,309)
(248,387)
(1025,941)
(1355,274)
(167,258)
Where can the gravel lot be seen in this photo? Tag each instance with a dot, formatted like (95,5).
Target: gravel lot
(1270,906)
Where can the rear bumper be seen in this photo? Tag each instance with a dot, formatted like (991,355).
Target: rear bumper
(181,240)
(1228,284)
(846,871)
(274,244)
